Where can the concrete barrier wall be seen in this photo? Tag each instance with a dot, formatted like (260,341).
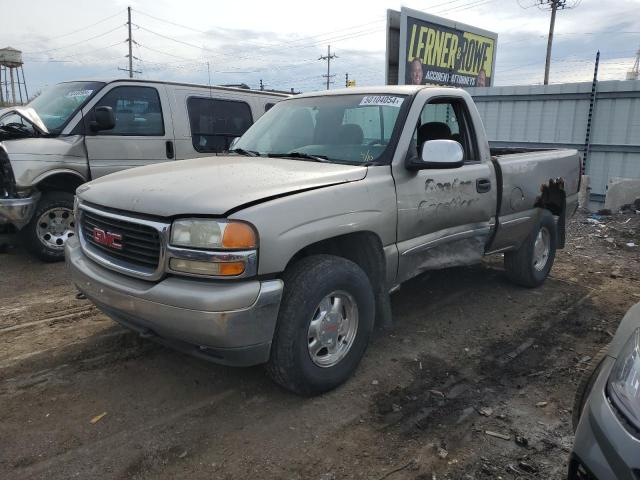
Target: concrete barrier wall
(556,116)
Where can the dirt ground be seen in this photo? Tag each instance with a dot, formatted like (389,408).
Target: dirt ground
(81,397)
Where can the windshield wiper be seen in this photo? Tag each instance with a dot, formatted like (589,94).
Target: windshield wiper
(242,151)
(306,156)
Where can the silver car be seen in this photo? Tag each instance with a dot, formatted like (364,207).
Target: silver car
(607,409)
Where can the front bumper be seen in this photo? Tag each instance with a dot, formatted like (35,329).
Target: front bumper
(18,211)
(605,448)
(231,323)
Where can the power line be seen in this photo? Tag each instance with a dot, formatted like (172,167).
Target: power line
(553,6)
(80,29)
(466,6)
(274,45)
(75,43)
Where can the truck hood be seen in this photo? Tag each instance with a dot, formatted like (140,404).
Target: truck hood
(212,185)
(29,114)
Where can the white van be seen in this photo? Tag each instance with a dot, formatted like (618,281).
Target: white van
(81,130)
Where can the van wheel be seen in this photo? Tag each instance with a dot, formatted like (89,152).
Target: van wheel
(324,325)
(530,265)
(50,227)
(585,385)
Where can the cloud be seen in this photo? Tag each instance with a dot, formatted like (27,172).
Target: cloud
(280,42)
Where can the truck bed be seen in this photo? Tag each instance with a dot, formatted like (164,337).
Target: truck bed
(522,173)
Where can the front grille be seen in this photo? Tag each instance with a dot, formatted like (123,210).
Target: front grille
(7,181)
(140,243)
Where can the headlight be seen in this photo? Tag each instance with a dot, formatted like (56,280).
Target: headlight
(213,234)
(624,382)
(216,248)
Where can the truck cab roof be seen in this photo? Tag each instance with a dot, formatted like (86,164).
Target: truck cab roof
(383,89)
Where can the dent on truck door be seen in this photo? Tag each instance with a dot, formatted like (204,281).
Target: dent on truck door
(444,214)
(143,133)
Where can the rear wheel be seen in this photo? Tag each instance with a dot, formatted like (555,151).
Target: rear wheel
(530,265)
(324,325)
(50,227)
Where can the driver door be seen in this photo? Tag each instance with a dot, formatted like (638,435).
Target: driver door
(444,214)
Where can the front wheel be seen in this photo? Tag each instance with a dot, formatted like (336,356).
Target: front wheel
(50,227)
(530,265)
(324,325)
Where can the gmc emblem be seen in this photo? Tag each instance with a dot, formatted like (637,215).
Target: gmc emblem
(108,239)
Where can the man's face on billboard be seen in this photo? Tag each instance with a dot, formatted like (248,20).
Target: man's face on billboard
(481,81)
(416,72)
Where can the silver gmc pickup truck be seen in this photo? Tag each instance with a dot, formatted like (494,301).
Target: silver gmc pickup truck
(285,252)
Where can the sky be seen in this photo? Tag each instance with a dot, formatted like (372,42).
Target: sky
(279,42)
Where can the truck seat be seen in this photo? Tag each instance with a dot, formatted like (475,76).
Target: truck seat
(433,131)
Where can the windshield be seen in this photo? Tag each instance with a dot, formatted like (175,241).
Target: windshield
(353,129)
(57,104)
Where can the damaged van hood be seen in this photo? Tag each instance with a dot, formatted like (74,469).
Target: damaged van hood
(212,185)
(29,114)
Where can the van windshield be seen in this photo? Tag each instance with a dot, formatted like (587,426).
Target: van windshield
(354,129)
(57,104)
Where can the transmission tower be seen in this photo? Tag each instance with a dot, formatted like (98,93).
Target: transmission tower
(328,57)
(553,6)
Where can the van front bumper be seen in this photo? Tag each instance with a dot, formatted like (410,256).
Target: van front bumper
(230,323)
(18,211)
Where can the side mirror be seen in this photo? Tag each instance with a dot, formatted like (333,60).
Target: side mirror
(440,154)
(104,119)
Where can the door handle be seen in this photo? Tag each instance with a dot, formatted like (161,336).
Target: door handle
(169,147)
(483,185)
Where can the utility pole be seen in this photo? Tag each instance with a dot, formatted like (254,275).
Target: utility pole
(328,57)
(633,74)
(554,8)
(130,40)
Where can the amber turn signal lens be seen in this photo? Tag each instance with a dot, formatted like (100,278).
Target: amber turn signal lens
(231,268)
(238,235)
(206,268)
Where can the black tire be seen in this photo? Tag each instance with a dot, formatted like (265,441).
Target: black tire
(306,283)
(585,385)
(48,202)
(520,264)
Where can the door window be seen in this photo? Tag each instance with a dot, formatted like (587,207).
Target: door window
(215,123)
(446,119)
(137,110)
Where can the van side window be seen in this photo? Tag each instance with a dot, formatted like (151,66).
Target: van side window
(446,119)
(215,123)
(137,110)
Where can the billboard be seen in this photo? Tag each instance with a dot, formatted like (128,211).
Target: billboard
(434,50)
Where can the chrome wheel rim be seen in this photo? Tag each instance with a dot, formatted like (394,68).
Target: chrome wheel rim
(541,249)
(55,226)
(332,329)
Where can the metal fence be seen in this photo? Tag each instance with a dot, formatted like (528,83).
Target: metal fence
(540,116)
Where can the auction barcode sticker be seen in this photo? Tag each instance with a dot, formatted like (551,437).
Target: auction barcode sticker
(382,100)
(79,93)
